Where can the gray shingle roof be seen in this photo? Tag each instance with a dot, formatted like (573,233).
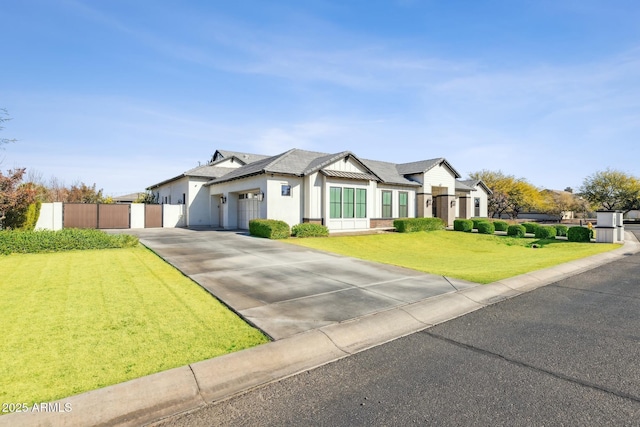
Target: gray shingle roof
(246,158)
(425,165)
(463,186)
(388,172)
(475,182)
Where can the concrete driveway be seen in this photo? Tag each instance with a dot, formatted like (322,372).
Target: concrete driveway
(285,289)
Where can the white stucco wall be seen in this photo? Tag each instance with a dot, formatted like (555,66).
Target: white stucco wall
(199,204)
(173,216)
(231,191)
(285,208)
(50,217)
(137,215)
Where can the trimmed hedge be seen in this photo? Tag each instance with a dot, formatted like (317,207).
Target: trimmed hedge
(309,230)
(561,230)
(21,241)
(478,220)
(486,227)
(546,232)
(579,234)
(269,228)
(516,230)
(500,225)
(411,225)
(530,227)
(463,225)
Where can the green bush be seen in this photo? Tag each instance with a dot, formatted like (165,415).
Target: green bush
(309,230)
(579,234)
(21,241)
(546,232)
(530,227)
(463,225)
(516,230)
(477,220)
(561,230)
(410,225)
(31,216)
(269,228)
(486,227)
(500,225)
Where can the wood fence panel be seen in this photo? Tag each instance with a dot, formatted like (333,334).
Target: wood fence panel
(80,215)
(152,216)
(113,216)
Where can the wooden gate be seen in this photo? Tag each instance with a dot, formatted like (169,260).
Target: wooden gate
(152,216)
(113,216)
(80,215)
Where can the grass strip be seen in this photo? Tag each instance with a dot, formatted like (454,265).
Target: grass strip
(80,320)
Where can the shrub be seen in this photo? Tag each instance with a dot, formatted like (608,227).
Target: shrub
(561,230)
(579,234)
(530,227)
(486,227)
(516,230)
(31,216)
(477,220)
(309,230)
(545,232)
(463,225)
(269,228)
(410,225)
(20,241)
(500,225)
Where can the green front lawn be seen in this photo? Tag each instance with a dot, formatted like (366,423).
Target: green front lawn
(81,320)
(475,257)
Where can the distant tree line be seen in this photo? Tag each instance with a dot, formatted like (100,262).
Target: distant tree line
(604,190)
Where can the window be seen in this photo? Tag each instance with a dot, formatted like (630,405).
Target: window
(184,199)
(335,202)
(348,206)
(403,204)
(286,190)
(386,204)
(361,203)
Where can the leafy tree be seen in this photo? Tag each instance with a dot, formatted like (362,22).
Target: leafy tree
(15,198)
(82,193)
(559,203)
(148,198)
(612,190)
(510,196)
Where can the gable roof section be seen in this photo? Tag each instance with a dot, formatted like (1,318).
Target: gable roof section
(388,173)
(245,158)
(293,162)
(205,171)
(475,182)
(426,165)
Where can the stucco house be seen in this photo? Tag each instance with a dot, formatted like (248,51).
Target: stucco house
(339,190)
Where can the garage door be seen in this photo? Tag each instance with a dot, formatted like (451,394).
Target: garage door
(248,209)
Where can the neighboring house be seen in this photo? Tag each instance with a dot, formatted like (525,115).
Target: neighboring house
(341,190)
(127,198)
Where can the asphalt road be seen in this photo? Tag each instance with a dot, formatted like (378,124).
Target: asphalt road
(565,354)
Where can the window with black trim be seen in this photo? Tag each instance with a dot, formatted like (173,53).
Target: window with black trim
(286,190)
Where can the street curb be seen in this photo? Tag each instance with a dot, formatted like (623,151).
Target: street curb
(153,397)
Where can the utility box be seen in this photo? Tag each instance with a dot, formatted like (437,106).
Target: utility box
(607,228)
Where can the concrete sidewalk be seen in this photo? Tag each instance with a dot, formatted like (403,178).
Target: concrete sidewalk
(150,398)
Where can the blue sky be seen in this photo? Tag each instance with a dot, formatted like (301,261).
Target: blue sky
(128,93)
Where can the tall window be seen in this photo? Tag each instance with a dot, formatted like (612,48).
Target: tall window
(386,204)
(348,205)
(335,202)
(403,204)
(361,203)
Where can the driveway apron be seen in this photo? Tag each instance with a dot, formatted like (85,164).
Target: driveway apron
(285,289)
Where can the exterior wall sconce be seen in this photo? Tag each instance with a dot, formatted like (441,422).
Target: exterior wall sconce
(453,203)
(428,202)
(223,199)
(260,196)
